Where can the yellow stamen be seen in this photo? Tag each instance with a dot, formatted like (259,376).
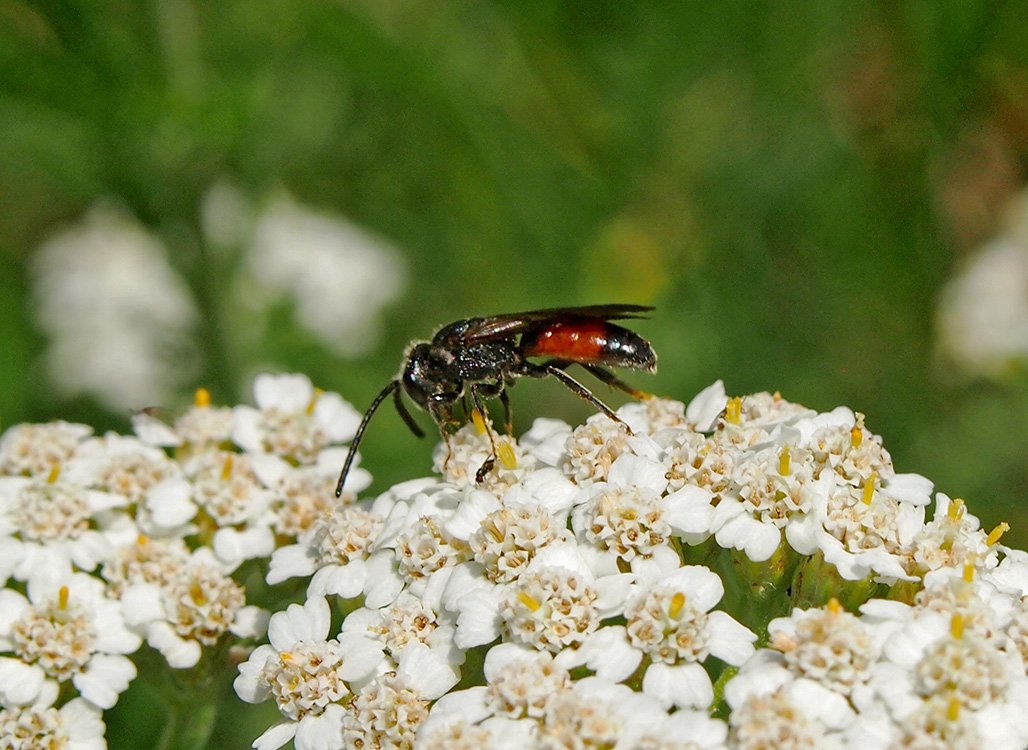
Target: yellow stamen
(956,509)
(869,487)
(834,606)
(505,453)
(285,656)
(1002,528)
(733,410)
(142,540)
(62,597)
(677,604)
(55,471)
(226,468)
(968,571)
(857,433)
(956,626)
(783,461)
(478,420)
(197,595)
(953,709)
(202,398)
(529,601)
(318,393)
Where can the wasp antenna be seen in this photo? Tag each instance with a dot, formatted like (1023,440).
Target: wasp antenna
(392,387)
(406,415)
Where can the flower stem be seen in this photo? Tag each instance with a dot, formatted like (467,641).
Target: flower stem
(192,698)
(189,724)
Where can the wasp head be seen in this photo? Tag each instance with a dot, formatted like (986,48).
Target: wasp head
(430,376)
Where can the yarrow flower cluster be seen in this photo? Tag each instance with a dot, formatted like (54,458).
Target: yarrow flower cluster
(109,542)
(608,586)
(731,573)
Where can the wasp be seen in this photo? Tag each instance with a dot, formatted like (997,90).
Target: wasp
(479,358)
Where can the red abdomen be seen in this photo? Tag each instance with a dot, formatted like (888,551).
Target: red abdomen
(590,341)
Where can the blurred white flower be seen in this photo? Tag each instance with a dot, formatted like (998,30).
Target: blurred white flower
(982,316)
(338,276)
(226,215)
(117,316)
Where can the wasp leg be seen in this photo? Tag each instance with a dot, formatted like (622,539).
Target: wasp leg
(441,415)
(508,422)
(556,370)
(498,389)
(612,380)
(490,462)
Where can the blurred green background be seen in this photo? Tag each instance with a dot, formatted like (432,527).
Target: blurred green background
(790,184)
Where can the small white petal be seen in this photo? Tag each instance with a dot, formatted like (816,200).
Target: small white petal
(707,406)
(251,622)
(426,671)
(763,674)
(275,736)
(689,510)
(170,503)
(500,656)
(288,392)
(153,431)
(292,561)
(564,555)
(104,679)
(20,683)
(308,622)
(682,685)
(235,546)
(468,705)
(629,470)
(338,417)
(383,580)
(248,684)
(701,585)
(479,621)
(363,658)
(824,704)
(84,724)
(611,593)
(475,506)
(607,652)
(112,636)
(178,652)
(321,732)
(13,605)
(743,532)
(546,487)
(803,534)
(730,641)
(142,603)
(909,488)
(246,429)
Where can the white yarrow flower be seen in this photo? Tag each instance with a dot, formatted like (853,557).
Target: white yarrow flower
(118,317)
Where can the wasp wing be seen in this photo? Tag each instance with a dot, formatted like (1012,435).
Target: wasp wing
(510,324)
